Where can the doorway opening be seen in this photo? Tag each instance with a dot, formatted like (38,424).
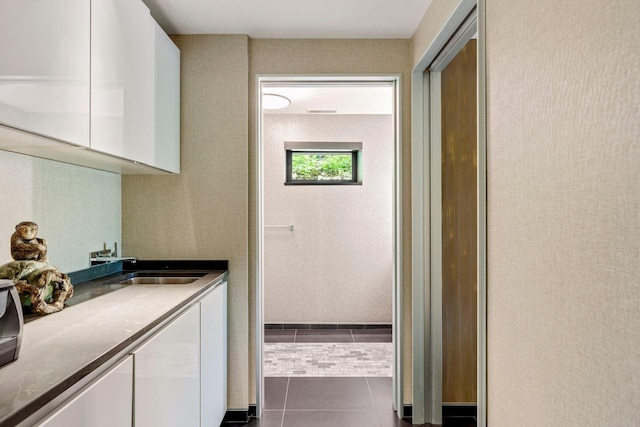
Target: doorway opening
(310,187)
(449,219)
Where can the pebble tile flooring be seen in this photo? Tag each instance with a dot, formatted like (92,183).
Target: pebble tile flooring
(328,353)
(325,359)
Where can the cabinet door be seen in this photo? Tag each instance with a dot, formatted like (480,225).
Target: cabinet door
(105,403)
(167,375)
(213,321)
(44,67)
(122,79)
(167,103)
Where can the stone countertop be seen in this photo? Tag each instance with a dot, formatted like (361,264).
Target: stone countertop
(60,349)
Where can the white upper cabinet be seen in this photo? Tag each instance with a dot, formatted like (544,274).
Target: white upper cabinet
(97,74)
(167,103)
(44,68)
(122,79)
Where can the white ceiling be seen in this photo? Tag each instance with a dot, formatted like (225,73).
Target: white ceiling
(291,18)
(342,99)
(301,19)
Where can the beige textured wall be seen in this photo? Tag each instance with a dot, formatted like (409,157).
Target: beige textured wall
(336,267)
(327,56)
(77,209)
(563,212)
(202,213)
(432,22)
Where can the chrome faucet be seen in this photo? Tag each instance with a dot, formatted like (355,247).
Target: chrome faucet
(104,252)
(107,255)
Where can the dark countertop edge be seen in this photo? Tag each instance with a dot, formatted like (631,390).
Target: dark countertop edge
(21,414)
(134,265)
(108,268)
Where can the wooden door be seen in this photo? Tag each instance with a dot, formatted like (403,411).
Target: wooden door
(459,227)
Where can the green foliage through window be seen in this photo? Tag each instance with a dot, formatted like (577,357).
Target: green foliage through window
(321,166)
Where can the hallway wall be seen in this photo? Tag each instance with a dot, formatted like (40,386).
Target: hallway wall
(563,212)
(203,213)
(563,209)
(336,267)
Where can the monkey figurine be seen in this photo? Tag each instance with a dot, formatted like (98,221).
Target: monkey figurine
(41,286)
(25,246)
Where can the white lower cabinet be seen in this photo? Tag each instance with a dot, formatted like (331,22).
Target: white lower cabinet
(107,402)
(178,377)
(213,350)
(167,375)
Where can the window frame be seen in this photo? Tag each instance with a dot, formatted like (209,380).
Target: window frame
(324,148)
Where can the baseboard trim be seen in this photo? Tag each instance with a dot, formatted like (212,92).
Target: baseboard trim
(459,411)
(239,416)
(233,417)
(407,411)
(327,326)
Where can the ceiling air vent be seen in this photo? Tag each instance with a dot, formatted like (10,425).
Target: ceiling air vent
(322,111)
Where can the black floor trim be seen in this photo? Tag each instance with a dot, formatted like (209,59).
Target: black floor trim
(235,417)
(326,326)
(407,411)
(451,413)
(455,411)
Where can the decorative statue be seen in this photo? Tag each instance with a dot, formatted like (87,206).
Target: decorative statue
(24,244)
(41,286)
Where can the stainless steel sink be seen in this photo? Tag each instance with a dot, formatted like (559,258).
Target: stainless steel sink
(160,280)
(155,278)
(90,289)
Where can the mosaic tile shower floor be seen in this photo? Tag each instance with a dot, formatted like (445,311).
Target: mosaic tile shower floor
(328,353)
(328,359)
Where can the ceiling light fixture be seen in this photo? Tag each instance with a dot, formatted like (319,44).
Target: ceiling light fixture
(271,101)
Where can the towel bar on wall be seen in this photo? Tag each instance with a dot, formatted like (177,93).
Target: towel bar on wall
(290,227)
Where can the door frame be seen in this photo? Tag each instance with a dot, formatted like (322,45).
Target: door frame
(262,81)
(427,217)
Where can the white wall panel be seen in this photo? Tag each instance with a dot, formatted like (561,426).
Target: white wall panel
(77,209)
(336,267)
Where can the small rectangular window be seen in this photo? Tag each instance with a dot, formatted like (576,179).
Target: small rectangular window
(323,164)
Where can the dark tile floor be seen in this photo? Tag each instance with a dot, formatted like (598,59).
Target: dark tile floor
(332,401)
(315,402)
(327,335)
